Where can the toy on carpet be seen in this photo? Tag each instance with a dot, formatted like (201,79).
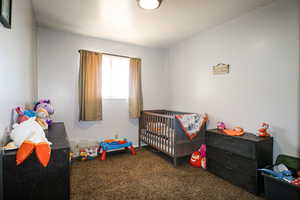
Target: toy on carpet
(24,115)
(113,144)
(45,104)
(221,126)
(198,158)
(88,153)
(263,131)
(237,131)
(83,154)
(30,136)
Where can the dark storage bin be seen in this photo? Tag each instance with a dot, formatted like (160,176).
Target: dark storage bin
(276,189)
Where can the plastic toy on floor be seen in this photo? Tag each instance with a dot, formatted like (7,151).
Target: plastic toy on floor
(83,155)
(263,131)
(113,144)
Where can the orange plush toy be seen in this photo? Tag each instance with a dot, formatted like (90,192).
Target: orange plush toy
(43,153)
(24,151)
(263,131)
(237,131)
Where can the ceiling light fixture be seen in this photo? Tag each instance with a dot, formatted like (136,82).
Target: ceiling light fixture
(149,4)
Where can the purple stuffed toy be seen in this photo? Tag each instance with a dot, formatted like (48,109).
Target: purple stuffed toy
(221,126)
(45,104)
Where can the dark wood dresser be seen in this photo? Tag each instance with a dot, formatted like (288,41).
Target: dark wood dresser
(236,158)
(30,180)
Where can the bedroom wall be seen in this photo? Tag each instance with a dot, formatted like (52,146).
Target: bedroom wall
(58,71)
(262,48)
(17,62)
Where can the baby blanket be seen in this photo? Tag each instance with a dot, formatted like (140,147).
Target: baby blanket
(191,123)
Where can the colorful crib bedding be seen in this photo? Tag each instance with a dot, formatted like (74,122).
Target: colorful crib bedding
(191,123)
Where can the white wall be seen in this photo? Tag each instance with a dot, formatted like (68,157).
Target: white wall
(262,48)
(17,61)
(58,71)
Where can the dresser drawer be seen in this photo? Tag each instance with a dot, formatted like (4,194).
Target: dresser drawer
(232,144)
(246,181)
(232,161)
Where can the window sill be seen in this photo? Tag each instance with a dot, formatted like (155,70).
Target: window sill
(111,98)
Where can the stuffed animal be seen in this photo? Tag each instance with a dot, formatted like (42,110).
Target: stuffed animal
(263,131)
(30,136)
(42,117)
(45,104)
(237,131)
(198,158)
(221,126)
(24,115)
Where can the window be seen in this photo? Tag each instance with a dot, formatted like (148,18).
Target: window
(115,77)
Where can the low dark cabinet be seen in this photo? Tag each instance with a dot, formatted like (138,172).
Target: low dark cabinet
(236,158)
(30,180)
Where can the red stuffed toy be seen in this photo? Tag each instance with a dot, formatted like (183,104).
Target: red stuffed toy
(198,158)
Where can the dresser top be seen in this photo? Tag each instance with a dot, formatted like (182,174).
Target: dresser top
(246,136)
(56,135)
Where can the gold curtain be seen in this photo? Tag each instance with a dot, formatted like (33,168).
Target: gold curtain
(135,88)
(90,86)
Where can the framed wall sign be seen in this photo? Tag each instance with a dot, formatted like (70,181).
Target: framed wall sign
(5,12)
(221,69)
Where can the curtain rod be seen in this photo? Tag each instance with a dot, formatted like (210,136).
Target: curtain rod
(108,54)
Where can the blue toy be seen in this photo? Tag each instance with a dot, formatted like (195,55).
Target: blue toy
(29,113)
(284,175)
(115,144)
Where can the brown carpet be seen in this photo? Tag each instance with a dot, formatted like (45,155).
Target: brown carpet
(148,175)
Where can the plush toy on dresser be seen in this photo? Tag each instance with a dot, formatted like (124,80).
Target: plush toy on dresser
(24,115)
(28,137)
(46,105)
(42,117)
(263,130)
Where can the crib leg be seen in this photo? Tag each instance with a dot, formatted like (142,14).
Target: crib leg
(175,162)
(139,143)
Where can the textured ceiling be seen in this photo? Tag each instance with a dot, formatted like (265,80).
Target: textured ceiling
(124,21)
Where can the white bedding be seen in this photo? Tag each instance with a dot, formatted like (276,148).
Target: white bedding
(160,143)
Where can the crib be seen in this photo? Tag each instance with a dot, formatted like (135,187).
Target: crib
(162,131)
